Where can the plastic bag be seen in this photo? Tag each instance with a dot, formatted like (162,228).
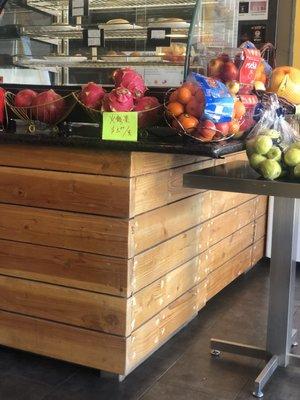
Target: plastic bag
(273,146)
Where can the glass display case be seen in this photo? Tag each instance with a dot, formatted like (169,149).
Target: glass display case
(45,41)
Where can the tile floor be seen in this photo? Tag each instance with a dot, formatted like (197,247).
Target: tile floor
(181,370)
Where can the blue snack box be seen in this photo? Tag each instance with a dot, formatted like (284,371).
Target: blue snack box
(218,101)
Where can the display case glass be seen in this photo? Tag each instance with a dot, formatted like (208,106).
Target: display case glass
(57,41)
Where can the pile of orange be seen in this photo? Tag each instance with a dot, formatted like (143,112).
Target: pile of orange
(186,105)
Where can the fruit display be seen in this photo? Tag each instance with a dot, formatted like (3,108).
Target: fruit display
(128,95)
(239,72)
(270,158)
(47,107)
(285,82)
(202,108)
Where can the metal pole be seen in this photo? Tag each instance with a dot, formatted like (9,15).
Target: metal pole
(282,279)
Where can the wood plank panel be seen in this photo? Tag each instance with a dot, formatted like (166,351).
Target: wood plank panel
(224,201)
(64,267)
(161,224)
(60,304)
(258,250)
(227,248)
(95,194)
(153,298)
(156,190)
(260,229)
(82,232)
(158,261)
(64,342)
(68,159)
(261,206)
(231,221)
(160,328)
(147,163)
(228,272)
(239,156)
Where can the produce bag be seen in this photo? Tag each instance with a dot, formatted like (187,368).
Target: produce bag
(273,146)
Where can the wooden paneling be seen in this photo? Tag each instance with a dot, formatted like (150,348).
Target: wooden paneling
(64,342)
(163,223)
(64,267)
(227,248)
(224,201)
(261,206)
(60,304)
(82,232)
(260,229)
(156,190)
(68,159)
(95,194)
(153,298)
(146,163)
(159,260)
(231,221)
(229,271)
(258,250)
(156,262)
(160,328)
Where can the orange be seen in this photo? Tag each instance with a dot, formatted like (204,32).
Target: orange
(234,127)
(175,108)
(184,95)
(188,122)
(173,96)
(191,86)
(239,110)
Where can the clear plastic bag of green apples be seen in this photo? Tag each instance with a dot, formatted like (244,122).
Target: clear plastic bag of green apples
(273,146)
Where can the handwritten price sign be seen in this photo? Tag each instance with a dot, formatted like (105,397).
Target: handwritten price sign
(120,126)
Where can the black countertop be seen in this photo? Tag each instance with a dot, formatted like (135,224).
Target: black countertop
(238,176)
(158,140)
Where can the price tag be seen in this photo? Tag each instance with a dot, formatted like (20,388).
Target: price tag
(158,37)
(120,126)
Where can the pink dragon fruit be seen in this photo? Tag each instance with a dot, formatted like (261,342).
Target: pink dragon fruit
(119,99)
(91,95)
(148,111)
(131,80)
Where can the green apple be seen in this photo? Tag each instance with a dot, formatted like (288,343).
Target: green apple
(270,169)
(292,157)
(256,159)
(297,171)
(250,146)
(274,153)
(263,144)
(295,145)
(270,132)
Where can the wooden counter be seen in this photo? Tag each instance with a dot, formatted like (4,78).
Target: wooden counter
(104,255)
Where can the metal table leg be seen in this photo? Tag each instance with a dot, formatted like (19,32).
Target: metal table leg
(281,336)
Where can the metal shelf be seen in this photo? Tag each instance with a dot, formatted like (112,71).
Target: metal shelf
(55,66)
(55,7)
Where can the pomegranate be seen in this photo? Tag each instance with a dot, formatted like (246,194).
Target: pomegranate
(24,98)
(49,107)
(148,111)
(92,95)
(119,99)
(131,80)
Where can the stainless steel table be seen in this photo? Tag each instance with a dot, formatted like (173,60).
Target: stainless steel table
(281,337)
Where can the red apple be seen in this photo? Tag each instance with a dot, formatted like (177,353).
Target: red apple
(207,129)
(222,128)
(194,107)
(224,57)
(229,72)
(214,67)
